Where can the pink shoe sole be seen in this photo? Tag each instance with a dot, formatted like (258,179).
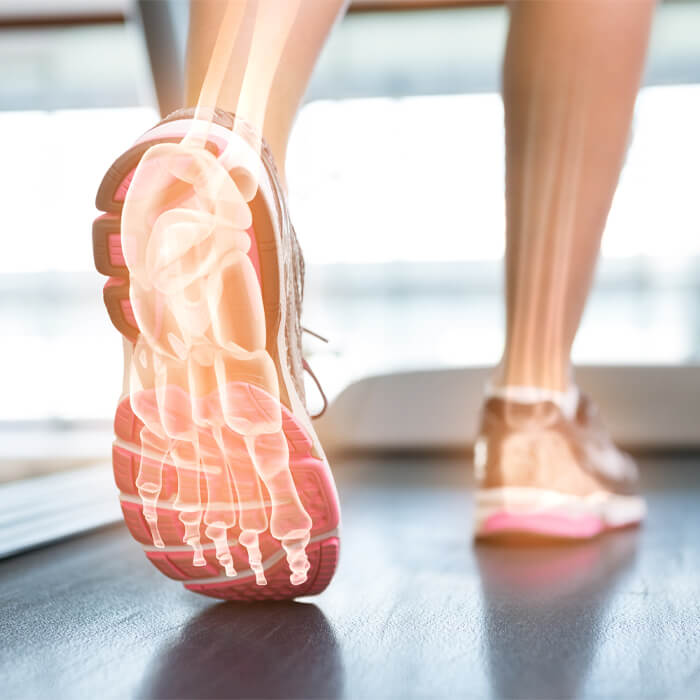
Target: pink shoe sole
(513,511)
(311,475)
(546,525)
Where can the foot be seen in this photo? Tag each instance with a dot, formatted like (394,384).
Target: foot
(222,478)
(548,468)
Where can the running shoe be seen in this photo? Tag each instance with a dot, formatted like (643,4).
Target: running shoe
(542,472)
(221,564)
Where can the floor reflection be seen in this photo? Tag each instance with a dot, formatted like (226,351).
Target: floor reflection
(256,650)
(544,611)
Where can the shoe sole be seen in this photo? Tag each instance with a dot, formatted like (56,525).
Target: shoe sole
(553,514)
(311,474)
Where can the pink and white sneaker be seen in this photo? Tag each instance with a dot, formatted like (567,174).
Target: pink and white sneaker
(548,468)
(276,256)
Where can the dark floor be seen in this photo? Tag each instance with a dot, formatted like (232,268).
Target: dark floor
(415,610)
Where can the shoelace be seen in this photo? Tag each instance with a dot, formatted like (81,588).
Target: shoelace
(307,368)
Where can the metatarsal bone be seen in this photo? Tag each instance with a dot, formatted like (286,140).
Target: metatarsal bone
(247,408)
(251,513)
(174,403)
(204,392)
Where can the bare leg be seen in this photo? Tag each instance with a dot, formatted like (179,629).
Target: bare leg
(571,74)
(278,66)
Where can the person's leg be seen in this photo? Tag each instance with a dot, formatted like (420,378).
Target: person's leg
(276,47)
(544,463)
(571,73)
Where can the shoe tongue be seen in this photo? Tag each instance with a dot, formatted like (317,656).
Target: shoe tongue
(567,401)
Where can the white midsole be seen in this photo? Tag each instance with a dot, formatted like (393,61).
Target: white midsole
(613,509)
(270,561)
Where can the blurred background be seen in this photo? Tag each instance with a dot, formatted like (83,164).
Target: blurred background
(396,184)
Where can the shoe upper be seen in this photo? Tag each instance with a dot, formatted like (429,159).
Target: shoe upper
(536,445)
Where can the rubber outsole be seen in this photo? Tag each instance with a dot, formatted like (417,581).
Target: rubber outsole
(310,474)
(552,515)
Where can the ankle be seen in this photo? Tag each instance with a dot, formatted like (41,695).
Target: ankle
(564,395)
(511,373)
